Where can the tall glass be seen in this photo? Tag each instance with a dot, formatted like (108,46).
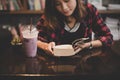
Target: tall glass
(29,40)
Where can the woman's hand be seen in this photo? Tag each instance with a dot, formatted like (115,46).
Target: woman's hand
(88,45)
(47,47)
(81,46)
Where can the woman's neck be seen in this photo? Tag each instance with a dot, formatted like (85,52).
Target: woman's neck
(70,21)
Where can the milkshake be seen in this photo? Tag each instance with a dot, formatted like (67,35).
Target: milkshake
(30,42)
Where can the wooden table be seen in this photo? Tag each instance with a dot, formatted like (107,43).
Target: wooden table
(95,63)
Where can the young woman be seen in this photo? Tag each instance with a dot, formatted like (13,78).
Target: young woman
(67,20)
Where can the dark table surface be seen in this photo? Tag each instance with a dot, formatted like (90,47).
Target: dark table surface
(96,63)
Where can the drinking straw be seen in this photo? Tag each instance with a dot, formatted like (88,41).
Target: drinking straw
(30,25)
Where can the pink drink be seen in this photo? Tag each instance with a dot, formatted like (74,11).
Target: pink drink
(30,43)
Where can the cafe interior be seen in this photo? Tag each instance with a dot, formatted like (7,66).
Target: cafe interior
(96,63)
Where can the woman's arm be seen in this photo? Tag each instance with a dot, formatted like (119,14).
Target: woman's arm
(44,39)
(101,30)
(93,44)
(47,47)
(104,37)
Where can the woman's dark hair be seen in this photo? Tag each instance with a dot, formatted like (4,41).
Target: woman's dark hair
(54,18)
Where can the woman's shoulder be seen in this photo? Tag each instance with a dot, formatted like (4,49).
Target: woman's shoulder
(91,7)
(42,16)
(41,21)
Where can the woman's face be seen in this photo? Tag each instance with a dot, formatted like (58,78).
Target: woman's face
(65,7)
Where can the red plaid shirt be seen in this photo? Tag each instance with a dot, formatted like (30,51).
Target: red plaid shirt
(92,22)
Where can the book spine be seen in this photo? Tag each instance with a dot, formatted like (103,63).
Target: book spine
(12,8)
(42,4)
(1,6)
(4,4)
(20,4)
(31,4)
(37,4)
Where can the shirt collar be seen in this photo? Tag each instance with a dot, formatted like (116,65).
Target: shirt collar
(74,29)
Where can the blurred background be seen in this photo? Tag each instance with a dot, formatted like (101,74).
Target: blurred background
(108,9)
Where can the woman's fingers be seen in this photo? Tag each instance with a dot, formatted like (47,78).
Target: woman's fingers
(52,44)
(49,48)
